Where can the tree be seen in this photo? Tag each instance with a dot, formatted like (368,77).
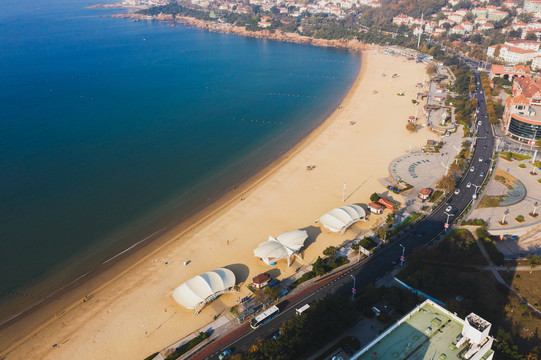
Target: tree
(497,50)
(382,232)
(533,260)
(431,69)
(272,292)
(330,251)
(411,127)
(319,267)
(447,183)
(531,36)
(538,142)
(374,197)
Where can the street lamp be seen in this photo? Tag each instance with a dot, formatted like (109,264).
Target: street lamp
(402,258)
(476,190)
(504,215)
(534,214)
(353,290)
(447,222)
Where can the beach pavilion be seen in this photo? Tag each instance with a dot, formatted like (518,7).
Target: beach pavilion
(202,289)
(340,219)
(285,245)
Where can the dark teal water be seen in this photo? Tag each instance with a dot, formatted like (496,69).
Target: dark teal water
(111,130)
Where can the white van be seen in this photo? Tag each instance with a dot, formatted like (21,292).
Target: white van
(302,309)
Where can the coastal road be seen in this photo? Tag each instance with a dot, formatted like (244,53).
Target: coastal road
(374,267)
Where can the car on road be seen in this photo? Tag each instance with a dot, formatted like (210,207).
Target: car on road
(478,123)
(482,174)
(457,191)
(448,209)
(468,185)
(480,159)
(225,355)
(472,169)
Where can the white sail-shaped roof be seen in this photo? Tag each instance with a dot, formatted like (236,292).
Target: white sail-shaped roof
(283,246)
(341,218)
(204,287)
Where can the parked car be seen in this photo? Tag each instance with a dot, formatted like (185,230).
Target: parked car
(226,354)
(482,174)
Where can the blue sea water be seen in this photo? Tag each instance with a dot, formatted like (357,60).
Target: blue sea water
(112,129)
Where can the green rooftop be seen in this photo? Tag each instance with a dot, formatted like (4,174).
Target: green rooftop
(431,333)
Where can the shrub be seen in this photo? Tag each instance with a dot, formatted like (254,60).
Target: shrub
(150,357)
(522,166)
(188,346)
(520,218)
(305,277)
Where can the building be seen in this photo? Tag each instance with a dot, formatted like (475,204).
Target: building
(468,26)
(522,115)
(532,5)
(524,44)
(425,193)
(486,26)
(261,280)
(509,72)
(511,54)
(402,19)
(376,208)
(497,15)
(458,29)
(387,203)
(536,63)
(430,332)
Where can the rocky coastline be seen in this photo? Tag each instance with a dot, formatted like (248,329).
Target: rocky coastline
(277,35)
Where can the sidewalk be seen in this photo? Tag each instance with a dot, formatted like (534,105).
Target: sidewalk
(219,344)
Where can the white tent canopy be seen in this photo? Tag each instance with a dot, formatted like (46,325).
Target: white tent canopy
(339,219)
(199,290)
(285,245)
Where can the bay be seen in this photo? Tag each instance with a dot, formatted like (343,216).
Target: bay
(111,130)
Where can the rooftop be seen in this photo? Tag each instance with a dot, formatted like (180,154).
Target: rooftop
(428,332)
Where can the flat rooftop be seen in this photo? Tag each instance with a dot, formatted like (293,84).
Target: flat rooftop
(429,333)
(532,113)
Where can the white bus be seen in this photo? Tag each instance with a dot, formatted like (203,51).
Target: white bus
(264,317)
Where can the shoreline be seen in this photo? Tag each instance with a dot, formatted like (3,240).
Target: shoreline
(225,28)
(142,275)
(121,263)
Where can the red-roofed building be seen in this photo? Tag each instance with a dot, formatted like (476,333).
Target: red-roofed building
(509,72)
(376,208)
(458,29)
(261,280)
(387,203)
(425,193)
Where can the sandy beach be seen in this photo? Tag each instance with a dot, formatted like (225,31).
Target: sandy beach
(129,312)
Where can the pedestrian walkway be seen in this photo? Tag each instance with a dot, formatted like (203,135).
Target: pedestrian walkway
(516,203)
(424,169)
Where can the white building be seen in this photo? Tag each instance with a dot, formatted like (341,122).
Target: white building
(532,5)
(431,332)
(510,54)
(536,63)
